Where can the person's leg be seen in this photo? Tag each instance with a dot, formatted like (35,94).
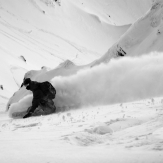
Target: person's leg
(48,107)
(35,104)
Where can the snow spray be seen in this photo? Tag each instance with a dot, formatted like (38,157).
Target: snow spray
(121,80)
(21,106)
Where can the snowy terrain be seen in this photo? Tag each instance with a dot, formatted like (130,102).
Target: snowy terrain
(104,58)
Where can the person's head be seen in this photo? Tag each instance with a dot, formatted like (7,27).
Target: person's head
(27,81)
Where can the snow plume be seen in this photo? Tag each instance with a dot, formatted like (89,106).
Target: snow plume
(122,80)
(21,106)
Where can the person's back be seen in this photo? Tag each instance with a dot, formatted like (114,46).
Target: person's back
(48,89)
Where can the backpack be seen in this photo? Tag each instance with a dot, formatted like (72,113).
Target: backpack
(48,89)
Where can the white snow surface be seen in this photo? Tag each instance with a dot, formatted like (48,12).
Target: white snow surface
(109,107)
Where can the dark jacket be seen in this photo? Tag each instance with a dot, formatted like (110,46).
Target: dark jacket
(36,89)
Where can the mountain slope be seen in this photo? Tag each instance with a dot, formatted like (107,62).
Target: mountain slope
(144,36)
(42,33)
(135,36)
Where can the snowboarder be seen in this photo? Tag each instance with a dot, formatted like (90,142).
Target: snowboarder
(43,95)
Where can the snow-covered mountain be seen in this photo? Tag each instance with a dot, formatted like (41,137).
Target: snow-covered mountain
(143,37)
(104,57)
(145,32)
(42,33)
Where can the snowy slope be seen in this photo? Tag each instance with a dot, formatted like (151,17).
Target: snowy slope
(133,130)
(103,110)
(143,36)
(63,35)
(136,36)
(117,12)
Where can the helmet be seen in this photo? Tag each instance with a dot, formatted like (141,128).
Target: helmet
(27,81)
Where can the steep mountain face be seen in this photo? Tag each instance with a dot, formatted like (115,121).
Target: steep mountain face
(143,37)
(116,12)
(66,22)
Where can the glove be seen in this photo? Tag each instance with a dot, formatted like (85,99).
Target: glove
(27,115)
